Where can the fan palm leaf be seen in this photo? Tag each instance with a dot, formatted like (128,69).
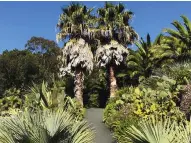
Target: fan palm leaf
(44,127)
(153,130)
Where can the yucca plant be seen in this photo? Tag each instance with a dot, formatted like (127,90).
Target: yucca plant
(184,135)
(45,126)
(157,129)
(44,97)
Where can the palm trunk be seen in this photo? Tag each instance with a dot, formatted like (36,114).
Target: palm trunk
(185,101)
(78,89)
(112,82)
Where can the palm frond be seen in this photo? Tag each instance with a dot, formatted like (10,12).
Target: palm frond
(76,53)
(112,52)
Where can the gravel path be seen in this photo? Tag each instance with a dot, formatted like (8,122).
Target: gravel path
(95,117)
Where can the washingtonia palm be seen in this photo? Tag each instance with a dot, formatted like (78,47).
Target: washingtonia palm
(75,23)
(114,33)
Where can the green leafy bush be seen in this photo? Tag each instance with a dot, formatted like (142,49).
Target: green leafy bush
(11,102)
(10,105)
(43,96)
(135,103)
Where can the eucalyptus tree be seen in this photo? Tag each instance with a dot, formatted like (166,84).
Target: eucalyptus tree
(74,24)
(114,34)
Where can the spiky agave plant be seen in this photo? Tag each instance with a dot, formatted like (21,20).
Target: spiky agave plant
(75,23)
(114,33)
(45,126)
(53,98)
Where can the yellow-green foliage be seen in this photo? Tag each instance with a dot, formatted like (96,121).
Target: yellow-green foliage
(147,101)
(135,103)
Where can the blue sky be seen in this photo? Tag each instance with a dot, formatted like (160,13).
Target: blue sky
(22,20)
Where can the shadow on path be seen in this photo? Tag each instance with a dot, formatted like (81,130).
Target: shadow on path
(95,117)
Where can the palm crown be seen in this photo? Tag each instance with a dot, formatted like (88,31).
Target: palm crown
(75,22)
(179,41)
(182,32)
(76,53)
(141,62)
(113,21)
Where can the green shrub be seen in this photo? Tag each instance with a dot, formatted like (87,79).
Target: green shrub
(11,102)
(41,97)
(136,103)
(93,100)
(118,117)
(9,105)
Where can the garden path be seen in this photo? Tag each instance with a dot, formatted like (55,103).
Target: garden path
(95,117)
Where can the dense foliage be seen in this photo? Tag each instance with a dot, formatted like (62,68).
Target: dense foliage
(19,68)
(44,89)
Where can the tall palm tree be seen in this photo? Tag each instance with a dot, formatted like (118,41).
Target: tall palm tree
(114,34)
(74,24)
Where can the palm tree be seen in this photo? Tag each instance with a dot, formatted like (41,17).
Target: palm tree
(171,50)
(182,32)
(45,126)
(141,62)
(74,24)
(114,34)
(180,39)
